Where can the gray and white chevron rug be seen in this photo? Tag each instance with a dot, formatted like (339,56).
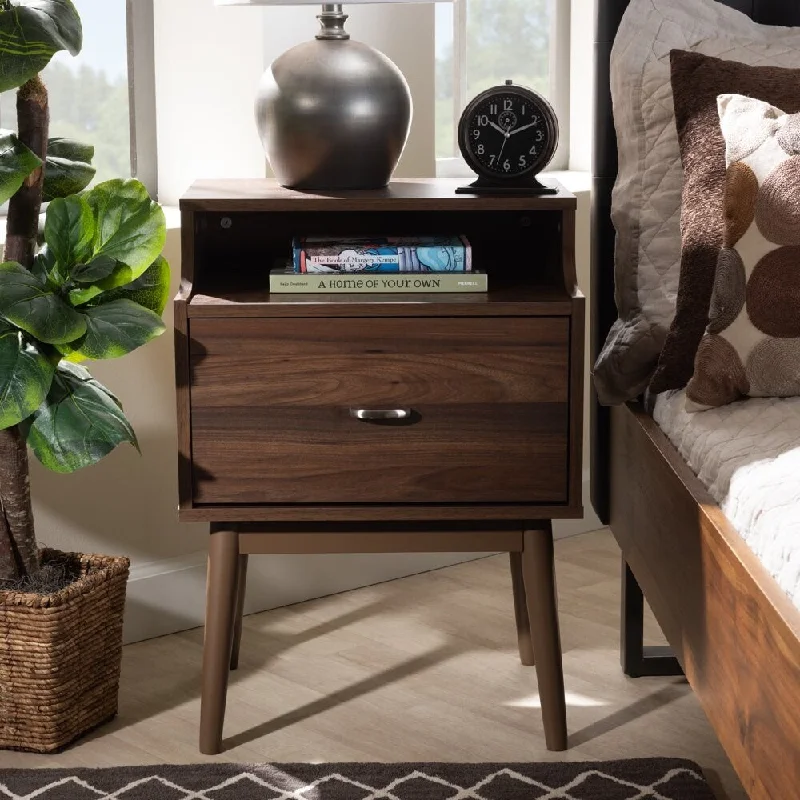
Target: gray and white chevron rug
(641,779)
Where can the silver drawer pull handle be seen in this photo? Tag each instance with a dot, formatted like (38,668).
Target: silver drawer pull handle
(380,413)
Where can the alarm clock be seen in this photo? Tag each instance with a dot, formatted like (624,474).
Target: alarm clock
(508,135)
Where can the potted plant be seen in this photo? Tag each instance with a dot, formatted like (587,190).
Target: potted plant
(91,285)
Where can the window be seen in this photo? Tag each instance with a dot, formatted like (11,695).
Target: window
(481,43)
(91,94)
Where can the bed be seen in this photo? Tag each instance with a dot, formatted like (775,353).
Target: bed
(726,611)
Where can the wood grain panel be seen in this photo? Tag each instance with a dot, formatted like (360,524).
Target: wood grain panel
(182,369)
(576,370)
(733,629)
(519,301)
(419,541)
(400,195)
(341,363)
(379,515)
(458,453)
(271,401)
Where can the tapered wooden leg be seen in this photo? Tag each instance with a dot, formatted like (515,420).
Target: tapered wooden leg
(241,588)
(538,569)
(223,560)
(521,611)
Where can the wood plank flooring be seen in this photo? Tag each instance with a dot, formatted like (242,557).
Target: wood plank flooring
(421,669)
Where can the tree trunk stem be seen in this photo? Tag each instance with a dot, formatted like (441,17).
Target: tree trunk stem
(19,553)
(22,227)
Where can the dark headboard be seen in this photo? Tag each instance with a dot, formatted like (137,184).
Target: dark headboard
(604,312)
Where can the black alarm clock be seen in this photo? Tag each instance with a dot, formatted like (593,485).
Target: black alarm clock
(508,135)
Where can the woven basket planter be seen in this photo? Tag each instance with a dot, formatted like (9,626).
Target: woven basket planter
(60,657)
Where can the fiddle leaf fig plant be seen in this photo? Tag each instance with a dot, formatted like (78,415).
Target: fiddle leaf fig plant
(93,288)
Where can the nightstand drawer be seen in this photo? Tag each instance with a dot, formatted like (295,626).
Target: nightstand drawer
(274,410)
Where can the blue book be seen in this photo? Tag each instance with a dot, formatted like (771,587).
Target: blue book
(323,255)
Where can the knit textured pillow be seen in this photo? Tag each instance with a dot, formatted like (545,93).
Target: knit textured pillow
(751,347)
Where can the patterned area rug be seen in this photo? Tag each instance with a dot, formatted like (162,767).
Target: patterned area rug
(641,779)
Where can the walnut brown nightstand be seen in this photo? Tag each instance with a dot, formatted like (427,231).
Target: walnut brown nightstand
(287,440)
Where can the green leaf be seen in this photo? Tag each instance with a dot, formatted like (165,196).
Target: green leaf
(64,177)
(69,168)
(150,289)
(130,228)
(79,422)
(25,376)
(43,264)
(68,231)
(31,33)
(16,163)
(70,150)
(29,304)
(97,269)
(113,330)
(79,297)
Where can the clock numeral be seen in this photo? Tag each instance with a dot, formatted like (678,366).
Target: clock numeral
(493,109)
(535,119)
(492,159)
(539,136)
(481,149)
(523,162)
(483,120)
(476,134)
(533,151)
(508,105)
(507,165)
(524,109)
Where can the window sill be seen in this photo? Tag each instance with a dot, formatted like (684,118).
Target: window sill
(172,213)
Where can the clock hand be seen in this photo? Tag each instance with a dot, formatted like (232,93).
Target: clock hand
(501,149)
(523,128)
(498,128)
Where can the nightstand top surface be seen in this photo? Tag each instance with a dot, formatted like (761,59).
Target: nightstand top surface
(418,195)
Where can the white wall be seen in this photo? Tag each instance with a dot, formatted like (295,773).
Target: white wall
(208,65)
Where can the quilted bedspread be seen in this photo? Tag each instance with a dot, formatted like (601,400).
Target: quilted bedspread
(748,456)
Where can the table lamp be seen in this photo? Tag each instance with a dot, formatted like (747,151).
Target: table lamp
(332,113)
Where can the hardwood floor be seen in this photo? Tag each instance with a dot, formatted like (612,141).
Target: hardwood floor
(421,669)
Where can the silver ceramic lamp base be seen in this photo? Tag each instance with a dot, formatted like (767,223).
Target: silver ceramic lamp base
(333,113)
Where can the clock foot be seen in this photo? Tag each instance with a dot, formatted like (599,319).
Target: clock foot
(529,188)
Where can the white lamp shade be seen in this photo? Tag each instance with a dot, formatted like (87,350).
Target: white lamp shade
(314,2)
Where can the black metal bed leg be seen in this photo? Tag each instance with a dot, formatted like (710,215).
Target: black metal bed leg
(639,661)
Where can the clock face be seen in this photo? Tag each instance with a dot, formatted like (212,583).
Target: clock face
(508,133)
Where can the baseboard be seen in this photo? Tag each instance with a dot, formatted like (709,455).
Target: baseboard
(563,529)
(169,596)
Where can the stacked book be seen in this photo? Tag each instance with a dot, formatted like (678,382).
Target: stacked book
(389,265)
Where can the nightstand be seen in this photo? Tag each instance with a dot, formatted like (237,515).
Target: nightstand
(274,454)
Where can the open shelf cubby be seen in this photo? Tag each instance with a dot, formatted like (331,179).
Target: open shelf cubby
(234,252)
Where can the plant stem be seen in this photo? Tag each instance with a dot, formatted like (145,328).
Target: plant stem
(33,119)
(19,553)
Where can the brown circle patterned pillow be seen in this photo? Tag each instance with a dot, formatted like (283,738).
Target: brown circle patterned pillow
(752,345)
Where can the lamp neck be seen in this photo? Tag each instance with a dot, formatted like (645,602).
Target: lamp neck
(332,20)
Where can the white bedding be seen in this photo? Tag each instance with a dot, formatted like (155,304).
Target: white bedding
(748,456)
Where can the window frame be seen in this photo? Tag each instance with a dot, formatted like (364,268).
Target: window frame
(142,93)
(140,36)
(560,58)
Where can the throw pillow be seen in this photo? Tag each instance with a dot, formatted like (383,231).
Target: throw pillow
(646,203)
(697,82)
(752,343)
